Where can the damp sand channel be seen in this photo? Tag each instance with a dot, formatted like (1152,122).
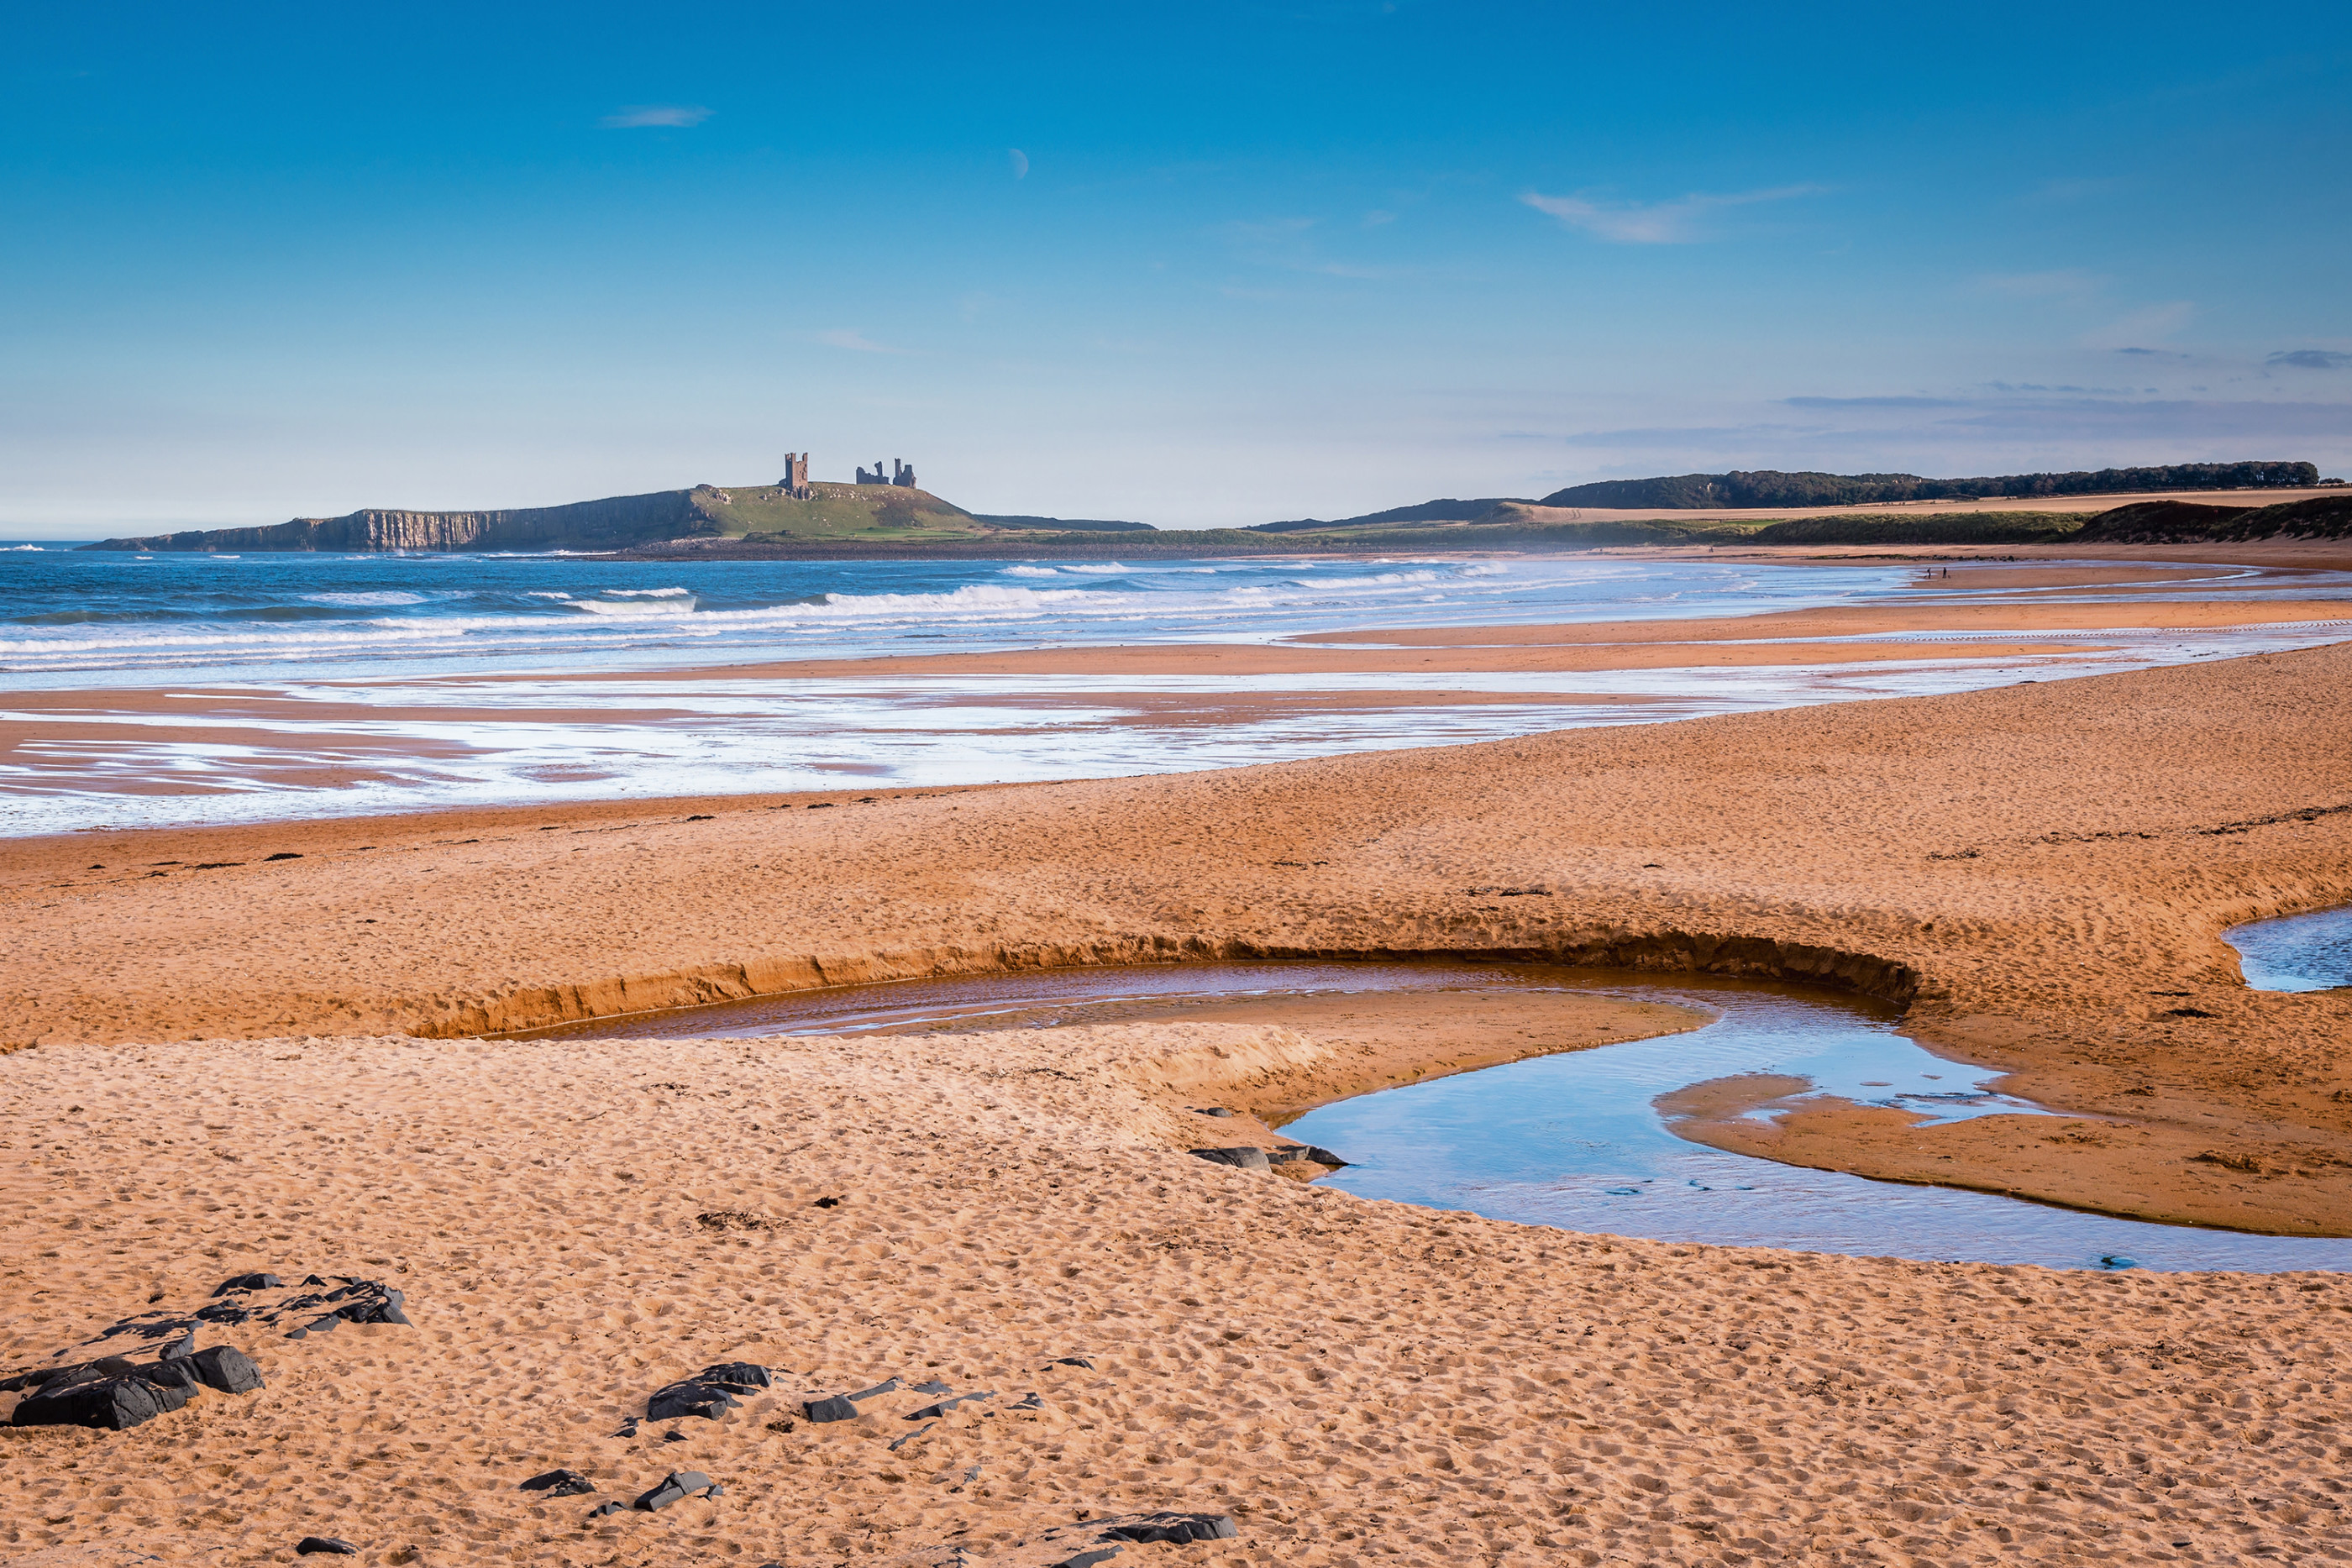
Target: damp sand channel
(1578,1139)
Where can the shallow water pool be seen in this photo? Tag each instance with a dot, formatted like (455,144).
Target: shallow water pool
(2297,952)
(1574,1140)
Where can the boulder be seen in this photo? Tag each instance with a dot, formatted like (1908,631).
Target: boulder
(248,1282)
(332,1546)
(836,1408)
(559,1483)
(108,1404)
(227,1368)
(1243,1158)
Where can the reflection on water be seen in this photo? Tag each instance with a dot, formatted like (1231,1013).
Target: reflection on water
(1574,1140)
(2298,952)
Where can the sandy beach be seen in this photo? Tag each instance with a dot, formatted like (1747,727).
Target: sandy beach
(249,1048)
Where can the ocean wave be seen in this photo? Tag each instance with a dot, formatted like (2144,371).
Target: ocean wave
(34,549)
(986,597)
(649,592)
(635,609)
(1032,571)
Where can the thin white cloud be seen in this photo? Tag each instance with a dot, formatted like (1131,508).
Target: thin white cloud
(639,116)
(850,338)
(1679,221)
(2151,324)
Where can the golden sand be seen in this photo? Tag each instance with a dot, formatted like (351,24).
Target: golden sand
(2040,872)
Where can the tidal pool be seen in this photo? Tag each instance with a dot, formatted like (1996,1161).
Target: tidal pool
(2297,952)
(1574,1140)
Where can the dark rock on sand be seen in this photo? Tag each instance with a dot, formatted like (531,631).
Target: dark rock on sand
(677,1487)
(108,1404)
(601,1509)
(1211,1111)
(933,1412)
(375,1304)
(1089,1558)
(890,1386)
(834,1409)
(1072,1361)
(933,1387)
(708,1392)
(1243,1158)
(1321,1157)
(1179,1527)
(227,1368)
(248,1282)
(559,1483)
(331,1545)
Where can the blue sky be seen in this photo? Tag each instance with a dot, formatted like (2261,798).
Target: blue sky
(1197,264)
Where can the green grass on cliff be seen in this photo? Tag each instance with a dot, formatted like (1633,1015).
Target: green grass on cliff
(836,512)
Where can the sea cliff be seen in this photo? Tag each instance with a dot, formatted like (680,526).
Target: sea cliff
(614,523)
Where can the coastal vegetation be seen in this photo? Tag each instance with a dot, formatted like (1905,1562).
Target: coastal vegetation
(1772,489)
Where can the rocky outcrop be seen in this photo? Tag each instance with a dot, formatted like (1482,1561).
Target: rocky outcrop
(614,523)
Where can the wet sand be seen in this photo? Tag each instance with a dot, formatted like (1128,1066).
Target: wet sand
(326,736)
(2042,872)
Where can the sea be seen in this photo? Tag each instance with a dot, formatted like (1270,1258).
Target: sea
(332,685)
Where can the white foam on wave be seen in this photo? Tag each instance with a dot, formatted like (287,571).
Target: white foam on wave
(383,598)
(34,549)
(1030,572)
(649,592)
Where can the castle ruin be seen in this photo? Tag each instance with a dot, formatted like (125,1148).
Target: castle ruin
(795,482)
(902,475)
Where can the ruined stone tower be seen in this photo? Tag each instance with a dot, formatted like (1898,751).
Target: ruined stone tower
(795,482)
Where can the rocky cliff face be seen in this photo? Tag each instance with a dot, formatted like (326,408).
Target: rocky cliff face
(614,523)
